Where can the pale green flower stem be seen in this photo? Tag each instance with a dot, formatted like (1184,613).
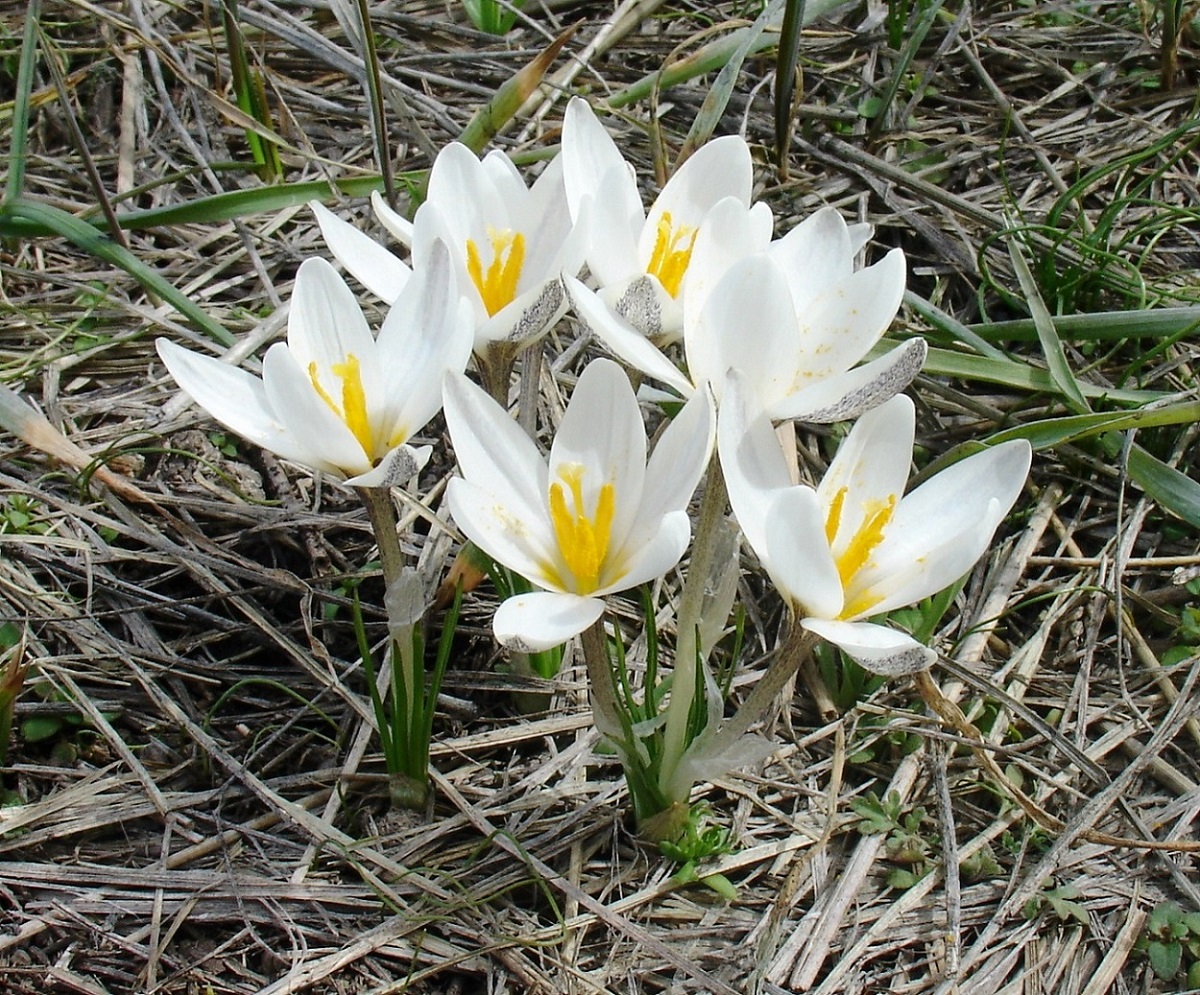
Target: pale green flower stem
(408,789)
(495,373)
(691,603)
(602,686)
(795,652)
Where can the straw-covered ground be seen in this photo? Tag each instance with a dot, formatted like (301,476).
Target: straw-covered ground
(195,797)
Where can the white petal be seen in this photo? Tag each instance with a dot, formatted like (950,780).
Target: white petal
(602,431)
(541,620)
(290,392)
(860,235)
(464,193)
(492,450)
(237,400)
(875,647)
(396,468)
(945,525)
(815,255)
(643,302)
(547,225)
(871,465)
(851,394)
(839,326)
(680,457)
(798,557)
(594,170)
(722,168)
(617,219)
(623,340)
(649,553)
(504,176)
(397,224)
(754,465)
(730,232)
(427,333)
(747,321)
(588,153)
(326,327)
(377,269)
(503,530)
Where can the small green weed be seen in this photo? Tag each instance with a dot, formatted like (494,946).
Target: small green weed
(699,842)
(1171,942)
(1059,901)
(909,840)
(21,514)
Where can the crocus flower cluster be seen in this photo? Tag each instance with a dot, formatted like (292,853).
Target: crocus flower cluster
(694,293)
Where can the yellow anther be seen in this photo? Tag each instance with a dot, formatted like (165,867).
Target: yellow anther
(353,409)
(582,538)
(833,520)
(498,286)
(869,535)
(672,253)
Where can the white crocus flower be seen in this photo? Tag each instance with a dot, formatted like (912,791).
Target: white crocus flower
(857,546)
(794,315)
(595,519)
(334,398)
(510,243)
(642,262)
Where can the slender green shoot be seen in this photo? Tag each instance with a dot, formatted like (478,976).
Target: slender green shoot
(383,151)
(405,718)
(928,11)
(65,225)
(250,95)
(493,17)
(19,142)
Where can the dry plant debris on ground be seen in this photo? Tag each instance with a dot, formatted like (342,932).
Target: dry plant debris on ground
(205,810)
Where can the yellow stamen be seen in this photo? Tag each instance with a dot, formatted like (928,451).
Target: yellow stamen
(858,550)
(582,539)
(833,520)
(353,409)
(672,253)
(498,286)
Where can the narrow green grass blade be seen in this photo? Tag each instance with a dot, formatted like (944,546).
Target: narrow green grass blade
(900,69)
(59,222)
(709,58)
(1172,490)
(1100,326)
(1019,376)
(786,63)
(19,144)
(383,151)
(951,326)
(218,207)
(1051,432)
(717,98)
(1052,347)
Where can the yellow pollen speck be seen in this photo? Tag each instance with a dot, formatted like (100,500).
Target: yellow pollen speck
(582,539)
(353,409)
(498,286)
(672,253)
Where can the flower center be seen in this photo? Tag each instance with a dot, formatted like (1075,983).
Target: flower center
(672,253)
(498,286)
(353,409)
(582,539)
(857,552)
